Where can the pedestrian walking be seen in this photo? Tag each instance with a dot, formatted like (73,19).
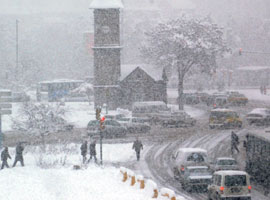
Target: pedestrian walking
(4,157)
(137,146)
(84,150)
(93,151)
(19,154)
(234,142)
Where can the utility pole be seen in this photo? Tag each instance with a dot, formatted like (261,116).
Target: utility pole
(17,49)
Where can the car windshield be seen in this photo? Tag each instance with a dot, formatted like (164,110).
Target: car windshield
(93,123)
(236,180)
(226,162)
(198,171)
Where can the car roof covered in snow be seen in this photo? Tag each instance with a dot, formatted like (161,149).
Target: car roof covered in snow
(222,110)
(197,167)
(230,172)
(259,111)
(191,150)
(106,4)
(225,158)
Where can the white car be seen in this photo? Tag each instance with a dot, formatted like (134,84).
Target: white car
(225,163)
(185,157)
(230,184)
(259,116)
(135,124)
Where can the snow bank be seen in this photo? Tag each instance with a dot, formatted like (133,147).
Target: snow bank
(92,183)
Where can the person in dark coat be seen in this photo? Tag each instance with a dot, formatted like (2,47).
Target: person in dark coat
(84,150)
(93,152)
(19,154)
(234,142)
(137,146)
(4,157)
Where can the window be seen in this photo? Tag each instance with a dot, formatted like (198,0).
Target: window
(236,180)
(218,180)
(196,157)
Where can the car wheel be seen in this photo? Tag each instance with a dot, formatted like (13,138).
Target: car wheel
(211,127)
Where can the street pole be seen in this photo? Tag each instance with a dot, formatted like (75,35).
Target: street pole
(17,49)
(101,162)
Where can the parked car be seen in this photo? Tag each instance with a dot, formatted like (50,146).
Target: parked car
(112,129)
(259,116)
(176,119)
(185,157)
(135,124)
(224,118)
(225,163)
(230,185)
(196,177)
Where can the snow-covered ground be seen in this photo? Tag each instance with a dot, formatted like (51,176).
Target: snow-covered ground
(78,114)
(53,178)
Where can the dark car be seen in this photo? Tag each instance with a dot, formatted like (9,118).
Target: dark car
(196,178)
(112,129)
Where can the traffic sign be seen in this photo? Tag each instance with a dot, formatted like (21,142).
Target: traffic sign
(5,112)
(5,105)
(5,93)
(5,99)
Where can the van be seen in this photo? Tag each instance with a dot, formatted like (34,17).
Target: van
(232,185)
(185,157)
(224,118)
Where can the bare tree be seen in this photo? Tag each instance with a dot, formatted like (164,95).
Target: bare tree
(184,44)
(40,119)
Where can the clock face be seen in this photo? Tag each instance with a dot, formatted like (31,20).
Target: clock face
(105,29)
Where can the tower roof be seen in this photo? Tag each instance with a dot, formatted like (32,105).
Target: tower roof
(106,4)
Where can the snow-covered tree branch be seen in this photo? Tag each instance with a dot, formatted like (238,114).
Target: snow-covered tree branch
(184,44)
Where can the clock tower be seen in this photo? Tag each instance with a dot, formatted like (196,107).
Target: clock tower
(107,63)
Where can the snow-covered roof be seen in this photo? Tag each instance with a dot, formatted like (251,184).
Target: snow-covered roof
(106,4)
(259,111)
(253,68)
(190,150)
(154,72)
(230,172)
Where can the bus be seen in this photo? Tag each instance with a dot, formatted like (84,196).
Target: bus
(55,90)
(258,156)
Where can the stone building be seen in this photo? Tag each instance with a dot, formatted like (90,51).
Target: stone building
(111,86)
